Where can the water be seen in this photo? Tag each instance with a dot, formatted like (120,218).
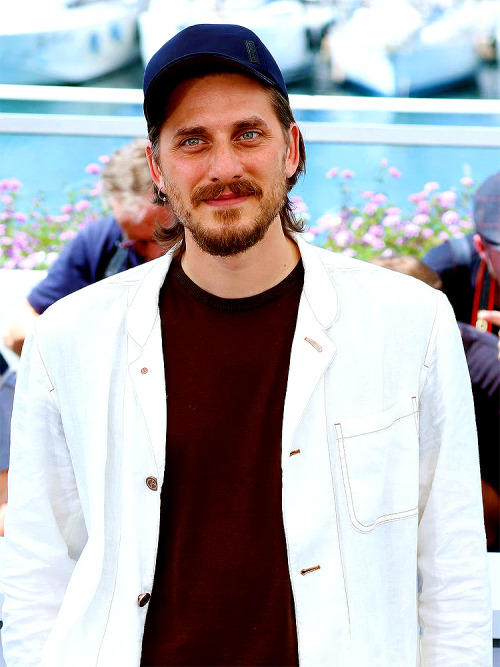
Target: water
(45,163)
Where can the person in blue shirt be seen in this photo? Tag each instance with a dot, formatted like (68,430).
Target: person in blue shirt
(121,240)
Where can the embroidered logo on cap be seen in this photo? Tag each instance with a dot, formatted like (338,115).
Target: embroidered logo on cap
(252,51)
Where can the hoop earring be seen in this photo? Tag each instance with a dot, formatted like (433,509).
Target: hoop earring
(161,195)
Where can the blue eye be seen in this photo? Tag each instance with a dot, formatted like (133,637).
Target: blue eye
(192,141)
(249,134)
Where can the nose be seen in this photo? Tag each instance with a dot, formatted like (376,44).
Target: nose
(225,164)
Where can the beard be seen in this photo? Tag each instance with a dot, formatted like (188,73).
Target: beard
(229,236)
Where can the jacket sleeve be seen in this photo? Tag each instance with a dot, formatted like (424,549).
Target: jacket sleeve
(454,598)
(44,527)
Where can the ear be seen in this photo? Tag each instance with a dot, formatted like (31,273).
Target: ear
(479,246)
(292,159)
(154,168)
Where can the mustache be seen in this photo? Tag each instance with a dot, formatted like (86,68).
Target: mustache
(242,187)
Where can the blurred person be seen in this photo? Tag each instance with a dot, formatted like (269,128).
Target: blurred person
(484,369)
(121,240)
(470,266)
(315,490)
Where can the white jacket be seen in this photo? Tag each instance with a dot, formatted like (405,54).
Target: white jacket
(380,476)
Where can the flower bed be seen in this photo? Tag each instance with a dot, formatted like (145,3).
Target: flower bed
(362,224)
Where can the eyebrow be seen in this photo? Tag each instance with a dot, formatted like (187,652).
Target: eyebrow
(198,130)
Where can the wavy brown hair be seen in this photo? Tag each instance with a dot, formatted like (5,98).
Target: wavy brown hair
(175,235)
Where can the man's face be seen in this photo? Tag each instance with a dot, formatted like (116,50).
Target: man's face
(223,161)
(491,254)
(137,218)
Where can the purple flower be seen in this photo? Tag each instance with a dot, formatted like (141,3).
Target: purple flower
(379,198)
(427,233)
(349,252)
(298,204)
(370,208)
(103,159)
(67,235)
(450,218)
(393,210)
(423,206)
(67,208)
(7,199)
(356,223)
(10,184)
(411,230)
(395,173)
(93,168)
(421,219)
(20,217)
(384,162)
(431,186)
(467,181)
(376,230)
(387,253)
(443,236)
(367,194)
(417,196)
(2,230)
(82,205)
(374,241)
(391,220)
(95,192)
(400,241)
(6,240)
(347,174)
(331,173)
(343,238)
(447,199)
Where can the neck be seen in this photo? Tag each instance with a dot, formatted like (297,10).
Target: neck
(261,267)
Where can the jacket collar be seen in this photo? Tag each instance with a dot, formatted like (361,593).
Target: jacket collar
(143,302)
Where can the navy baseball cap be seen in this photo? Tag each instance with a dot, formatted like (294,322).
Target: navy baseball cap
(195,50)
(487,210)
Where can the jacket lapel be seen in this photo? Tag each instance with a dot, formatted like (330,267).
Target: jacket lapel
(312,348)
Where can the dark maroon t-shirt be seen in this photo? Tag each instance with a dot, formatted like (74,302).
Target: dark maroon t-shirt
(222,593)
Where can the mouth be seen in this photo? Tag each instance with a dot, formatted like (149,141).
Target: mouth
(225,200)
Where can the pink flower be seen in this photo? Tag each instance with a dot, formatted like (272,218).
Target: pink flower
(331,173)
(62,218)
(393,210)
(431,186)
(7,199)
(298,204)
(10,184)
(395,173)
(67,208)
(443,236)
(447,198)
(467,181)
(370,208)
(367,194)
(82,205)
(423,206)
(349,252)
(343,238)
(357,222)
(391,220)
(374,241)
(384,162)
(6,240)
(421,219)
(450,217)
(95,192)
(20,217)
(103,159)
(400,241)
(417,197)
(2,230)
(427,233)
(376,230)
(411,230)
(93,168)
(387,253)
(379,198)
(347,174)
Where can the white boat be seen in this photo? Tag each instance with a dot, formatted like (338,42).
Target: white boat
(56,42)
(292,29)
(392,49)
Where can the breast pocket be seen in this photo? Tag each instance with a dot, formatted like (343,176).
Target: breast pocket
(379,462)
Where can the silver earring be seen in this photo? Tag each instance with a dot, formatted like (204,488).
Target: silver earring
(161,196)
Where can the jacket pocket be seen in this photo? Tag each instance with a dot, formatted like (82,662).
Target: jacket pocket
(379,462)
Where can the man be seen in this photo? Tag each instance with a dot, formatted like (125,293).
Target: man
(119,241)
(316,496)
(470,266)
